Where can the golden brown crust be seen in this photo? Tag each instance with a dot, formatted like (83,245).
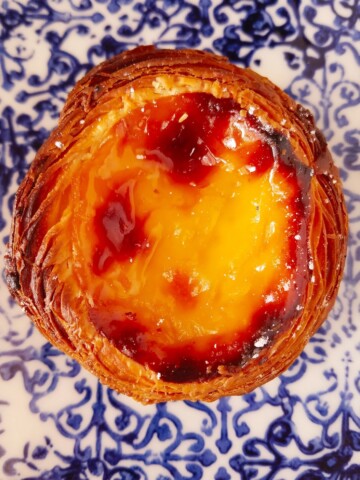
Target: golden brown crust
(31,264)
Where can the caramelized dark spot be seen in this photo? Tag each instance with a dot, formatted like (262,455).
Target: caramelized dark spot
(121,328)
(183,133)
(260,158)
(183,288)
(119,231)
(185,362)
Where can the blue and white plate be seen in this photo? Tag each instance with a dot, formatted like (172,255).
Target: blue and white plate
(56,421)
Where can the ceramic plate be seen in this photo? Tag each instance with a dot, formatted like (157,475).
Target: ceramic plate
(56,420)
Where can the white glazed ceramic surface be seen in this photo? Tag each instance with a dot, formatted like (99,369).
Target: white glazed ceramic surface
(56,420)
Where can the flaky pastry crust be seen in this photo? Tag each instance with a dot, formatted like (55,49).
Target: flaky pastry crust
(45,276)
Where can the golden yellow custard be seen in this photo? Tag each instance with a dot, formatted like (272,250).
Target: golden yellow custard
(197,228)
(176,240)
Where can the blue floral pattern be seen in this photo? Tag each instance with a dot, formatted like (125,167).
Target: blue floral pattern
(303,425)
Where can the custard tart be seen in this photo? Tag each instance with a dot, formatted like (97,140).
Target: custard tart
(182,232)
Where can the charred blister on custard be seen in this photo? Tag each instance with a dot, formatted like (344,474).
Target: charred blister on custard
(182,133)
(120,232)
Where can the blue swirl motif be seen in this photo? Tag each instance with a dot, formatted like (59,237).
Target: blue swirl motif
(156,444)
(339,94)
(110,436)
(328,22)
(330,452)
(174,22)
(249,26)
(21,135)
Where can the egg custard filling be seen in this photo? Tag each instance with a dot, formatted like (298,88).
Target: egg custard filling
(192,225)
